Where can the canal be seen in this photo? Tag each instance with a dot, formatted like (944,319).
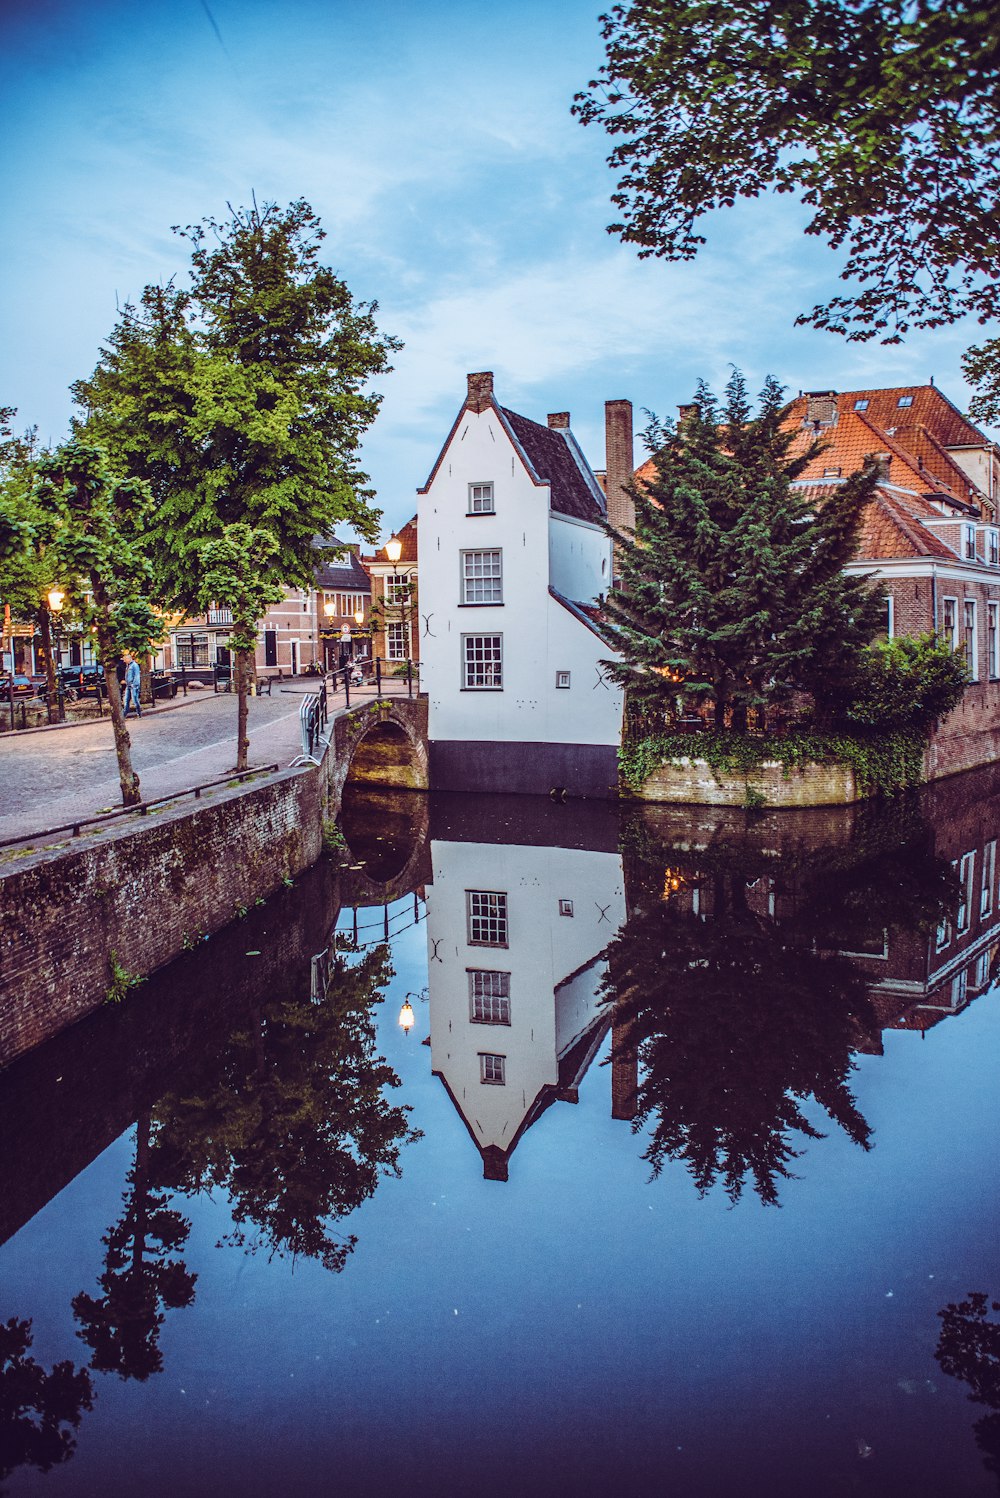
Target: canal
(524,1149)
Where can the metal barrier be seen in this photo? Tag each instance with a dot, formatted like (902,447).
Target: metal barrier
(313,717)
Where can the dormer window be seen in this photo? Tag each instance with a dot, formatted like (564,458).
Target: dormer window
(481,499)
(861,405)
(969,535)
(905,400)
(994,547)
(831,473)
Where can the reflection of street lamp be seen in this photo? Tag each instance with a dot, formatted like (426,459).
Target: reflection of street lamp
(406,1016)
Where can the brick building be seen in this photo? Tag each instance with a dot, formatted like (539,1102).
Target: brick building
(929,538)
(395,599)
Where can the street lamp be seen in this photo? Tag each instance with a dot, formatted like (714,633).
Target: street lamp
(406,1016)
(55,599)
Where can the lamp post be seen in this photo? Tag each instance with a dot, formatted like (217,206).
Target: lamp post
(55,600)
(329,609)
(394,550)
(406,1016)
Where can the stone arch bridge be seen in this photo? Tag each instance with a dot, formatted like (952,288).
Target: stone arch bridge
(378,744)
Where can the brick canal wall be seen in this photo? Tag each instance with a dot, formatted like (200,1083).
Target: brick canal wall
(142,891)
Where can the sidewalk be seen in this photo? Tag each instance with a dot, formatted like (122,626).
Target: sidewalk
(49,777)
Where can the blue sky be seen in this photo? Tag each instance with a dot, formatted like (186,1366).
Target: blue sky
(436,144)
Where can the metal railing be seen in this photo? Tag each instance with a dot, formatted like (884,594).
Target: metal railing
(313,717)
(358,675)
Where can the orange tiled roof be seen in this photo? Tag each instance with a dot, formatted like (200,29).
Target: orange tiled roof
(891,526)
(928,408)
(408,537)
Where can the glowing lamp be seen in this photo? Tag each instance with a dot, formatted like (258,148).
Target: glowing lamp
(406,1017)
(56,596)
(329,607)
(394,550)
(359,616)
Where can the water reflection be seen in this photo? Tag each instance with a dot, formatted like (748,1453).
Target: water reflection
(969,1349)
(37,1405)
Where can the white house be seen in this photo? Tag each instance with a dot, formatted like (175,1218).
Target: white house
(513,562)
(516,936)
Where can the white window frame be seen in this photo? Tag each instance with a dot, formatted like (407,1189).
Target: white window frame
(993,640)
(481,581)
(492,1069)
(970,636)
(988,878)
(904,400)
(489,996)
(963,915)
(563,679)
(397,590)
(482,500)
(950,632)
(993,547)
(969,542)
(397,639)
(489,670)
(487,923)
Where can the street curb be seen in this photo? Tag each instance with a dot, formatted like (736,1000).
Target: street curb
(20,733)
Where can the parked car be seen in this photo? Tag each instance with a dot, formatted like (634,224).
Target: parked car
(23,687)
(82,681)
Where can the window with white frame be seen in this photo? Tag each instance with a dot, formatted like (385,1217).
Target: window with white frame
(397,590)
(993,640)
(482,577)
(993,547)
(887,628)
(397,641)
(988,878)
(191,650)
(492,1069)
(489,997)
(486,914)
(949,621)
(481,499)
(969,637)
(982,973)
(905,400)
(482,663)
(963,915)
(969,533)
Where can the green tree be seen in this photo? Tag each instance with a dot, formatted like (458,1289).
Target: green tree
(969,1348)
(237,571)
(882,117)
(36,1405)
(96,524)
(733,586)
(243,397)
(903,683)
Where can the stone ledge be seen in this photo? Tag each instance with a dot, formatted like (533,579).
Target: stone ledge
(693,782)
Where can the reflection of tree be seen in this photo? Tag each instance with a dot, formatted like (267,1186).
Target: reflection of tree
(735,1029)
(141,1279)
(969,1348)
(35,1406)
(742,1012)
(292,1119)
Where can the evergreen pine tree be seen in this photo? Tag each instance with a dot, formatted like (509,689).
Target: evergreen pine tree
(732,583)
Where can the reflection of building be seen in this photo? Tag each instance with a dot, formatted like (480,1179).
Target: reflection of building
(515,939)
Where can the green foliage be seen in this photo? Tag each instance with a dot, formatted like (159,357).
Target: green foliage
(906,683)
(243,398)
(238,572)
(334,840)
(733,587)
(969,1349)
(881,118)
(884,762)
(121,980)
(981,367)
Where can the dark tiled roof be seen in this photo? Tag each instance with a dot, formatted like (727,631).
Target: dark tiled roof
(551,455)
(345,574)
(891,525)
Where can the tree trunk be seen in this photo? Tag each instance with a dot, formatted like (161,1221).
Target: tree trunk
(52,696)
(145,681)
(123,744)
(242,675)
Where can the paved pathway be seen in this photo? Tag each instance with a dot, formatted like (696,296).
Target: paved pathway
(54,775)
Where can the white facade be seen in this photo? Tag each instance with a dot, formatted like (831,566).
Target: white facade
(538,1017)
(503,661)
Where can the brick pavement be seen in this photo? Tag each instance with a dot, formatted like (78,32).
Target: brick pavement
(53,775)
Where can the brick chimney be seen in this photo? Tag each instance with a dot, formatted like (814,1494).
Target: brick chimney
(821,408)
(480,391)
(624,1072)
(685,413)
(558,421)
(619,464)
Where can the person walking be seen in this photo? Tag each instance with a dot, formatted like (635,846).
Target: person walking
(133,677)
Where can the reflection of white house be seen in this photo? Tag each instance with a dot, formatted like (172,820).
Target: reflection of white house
(513,561)
(515,939)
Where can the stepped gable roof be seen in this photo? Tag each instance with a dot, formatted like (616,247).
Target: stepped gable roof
(343,571)
(555,459)
(891,525)
(408,538)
